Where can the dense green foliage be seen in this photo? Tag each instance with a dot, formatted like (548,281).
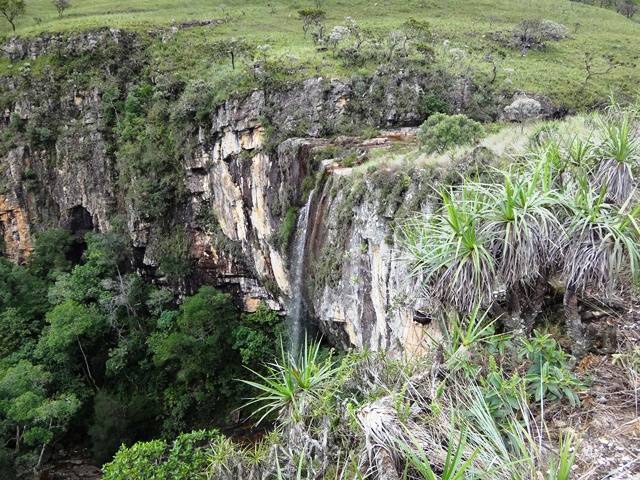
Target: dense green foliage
(91,348)
(441,132)
(186,458)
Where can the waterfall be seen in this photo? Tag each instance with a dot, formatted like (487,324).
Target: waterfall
(296,306)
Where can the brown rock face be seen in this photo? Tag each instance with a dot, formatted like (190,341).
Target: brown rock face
(14,229)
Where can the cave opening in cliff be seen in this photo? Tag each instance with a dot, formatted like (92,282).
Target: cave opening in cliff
(79,222)
(2,242)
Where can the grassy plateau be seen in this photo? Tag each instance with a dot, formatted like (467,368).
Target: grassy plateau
(558,72)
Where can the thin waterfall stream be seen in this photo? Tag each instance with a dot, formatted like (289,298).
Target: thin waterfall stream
(296,307)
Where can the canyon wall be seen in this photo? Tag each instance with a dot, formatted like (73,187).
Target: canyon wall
(250,165)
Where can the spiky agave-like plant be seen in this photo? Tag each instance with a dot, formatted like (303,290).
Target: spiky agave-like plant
(450,252)
(520,217)
(619,152)
(291,382)
(603,250)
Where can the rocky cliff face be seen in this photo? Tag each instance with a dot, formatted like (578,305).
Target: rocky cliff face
(357,288)
(250,165)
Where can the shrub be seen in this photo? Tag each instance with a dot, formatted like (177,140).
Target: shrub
(61,6)
(312,19)
(534,34)
(627,8)
(182,460)
(430,104)
(548,375)
(441,132)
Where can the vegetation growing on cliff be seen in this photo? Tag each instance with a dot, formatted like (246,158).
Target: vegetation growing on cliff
(569,208)
(367,416)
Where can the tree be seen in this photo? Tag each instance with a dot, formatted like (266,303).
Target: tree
(594,66)
(33,416)
(192,348)
(71,327)
(50,253)
(534,34)
(61,6)
(232,48)
(418,32)
(253,336)
(12,9)
(627,8)
(311,17)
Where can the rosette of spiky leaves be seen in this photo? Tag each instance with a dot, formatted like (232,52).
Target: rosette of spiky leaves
(603,243)
(581,153)
(556,166)
(619,152)
(520,217)
(289,384)
(450,252)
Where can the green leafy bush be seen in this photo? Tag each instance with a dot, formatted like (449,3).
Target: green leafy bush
(548,375)
(441,132)
(183,459)
(253,336)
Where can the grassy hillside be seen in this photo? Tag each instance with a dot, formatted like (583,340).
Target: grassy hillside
(558,72)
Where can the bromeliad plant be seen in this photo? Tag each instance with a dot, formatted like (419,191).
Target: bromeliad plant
(619,152)
(520,217)
(602,252)
(569,208)
(292,382)
(463,334)
(451,253)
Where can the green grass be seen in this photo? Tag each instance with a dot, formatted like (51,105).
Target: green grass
(557,72)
